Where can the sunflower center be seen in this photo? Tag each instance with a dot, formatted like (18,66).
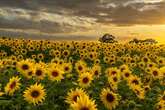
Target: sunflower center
(25,67)
(65,53)
(14,63)
(145,60)
(115,79)
(146,88)
(155,73)
(122,69)
(126,74)
(84,108)
(60,62)
(66,68)
(160,61)
(80,68)
(85,80)
(13,84)
(135,81)
(30,73)
(111,61)
(55,73)
(150,65)
(38,72)
(91,56)
(35,94)
(110,97)
(96,72)
(114,72)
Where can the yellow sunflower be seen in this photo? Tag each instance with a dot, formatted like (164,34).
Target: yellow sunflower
(12,85)
(85,79)
(113,72)
(35,94)
(72,95)
(126,74)
(160,105)
(96,70)
(139,91)
(84,103)
(80,66)
(156,73)
(55,74)
(39,72)
(40,56)
(24,66)
(134,81)
(67,67)
(109,99)
(123,68)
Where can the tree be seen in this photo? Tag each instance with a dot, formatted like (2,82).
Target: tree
(135,40)
(107,38)
(153,41)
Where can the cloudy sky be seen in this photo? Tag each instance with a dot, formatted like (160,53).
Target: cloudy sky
(88,19)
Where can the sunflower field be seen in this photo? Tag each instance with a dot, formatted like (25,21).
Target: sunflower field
(81,75)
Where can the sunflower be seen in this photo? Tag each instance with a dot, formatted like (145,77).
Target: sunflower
(24,66)
(126,74)
(33,56)
(40,56)
(156,73)
(106,59)
(12,85)
(35,94)
(67,67)
(29,74)
(139,91)
(113,72)
(23,51)
(72,95)
(97,61)
(123,68)
(84,103)
(66,53)
(55,60)
(109,99)
(92,55)
(161,61)
(151,65)
(80,66)
(147,88)
(55,74)
(134,81)
(20,57)
(160,106)
(39,72)
(96,70)
(85,79)
(113,80)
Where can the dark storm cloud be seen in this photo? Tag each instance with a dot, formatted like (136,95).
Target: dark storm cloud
(118,12)
(31,20)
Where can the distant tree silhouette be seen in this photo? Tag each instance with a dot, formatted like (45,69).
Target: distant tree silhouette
(153,41)
(107,38)
(135,40)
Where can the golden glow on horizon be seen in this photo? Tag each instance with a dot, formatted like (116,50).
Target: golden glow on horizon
(125,33)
